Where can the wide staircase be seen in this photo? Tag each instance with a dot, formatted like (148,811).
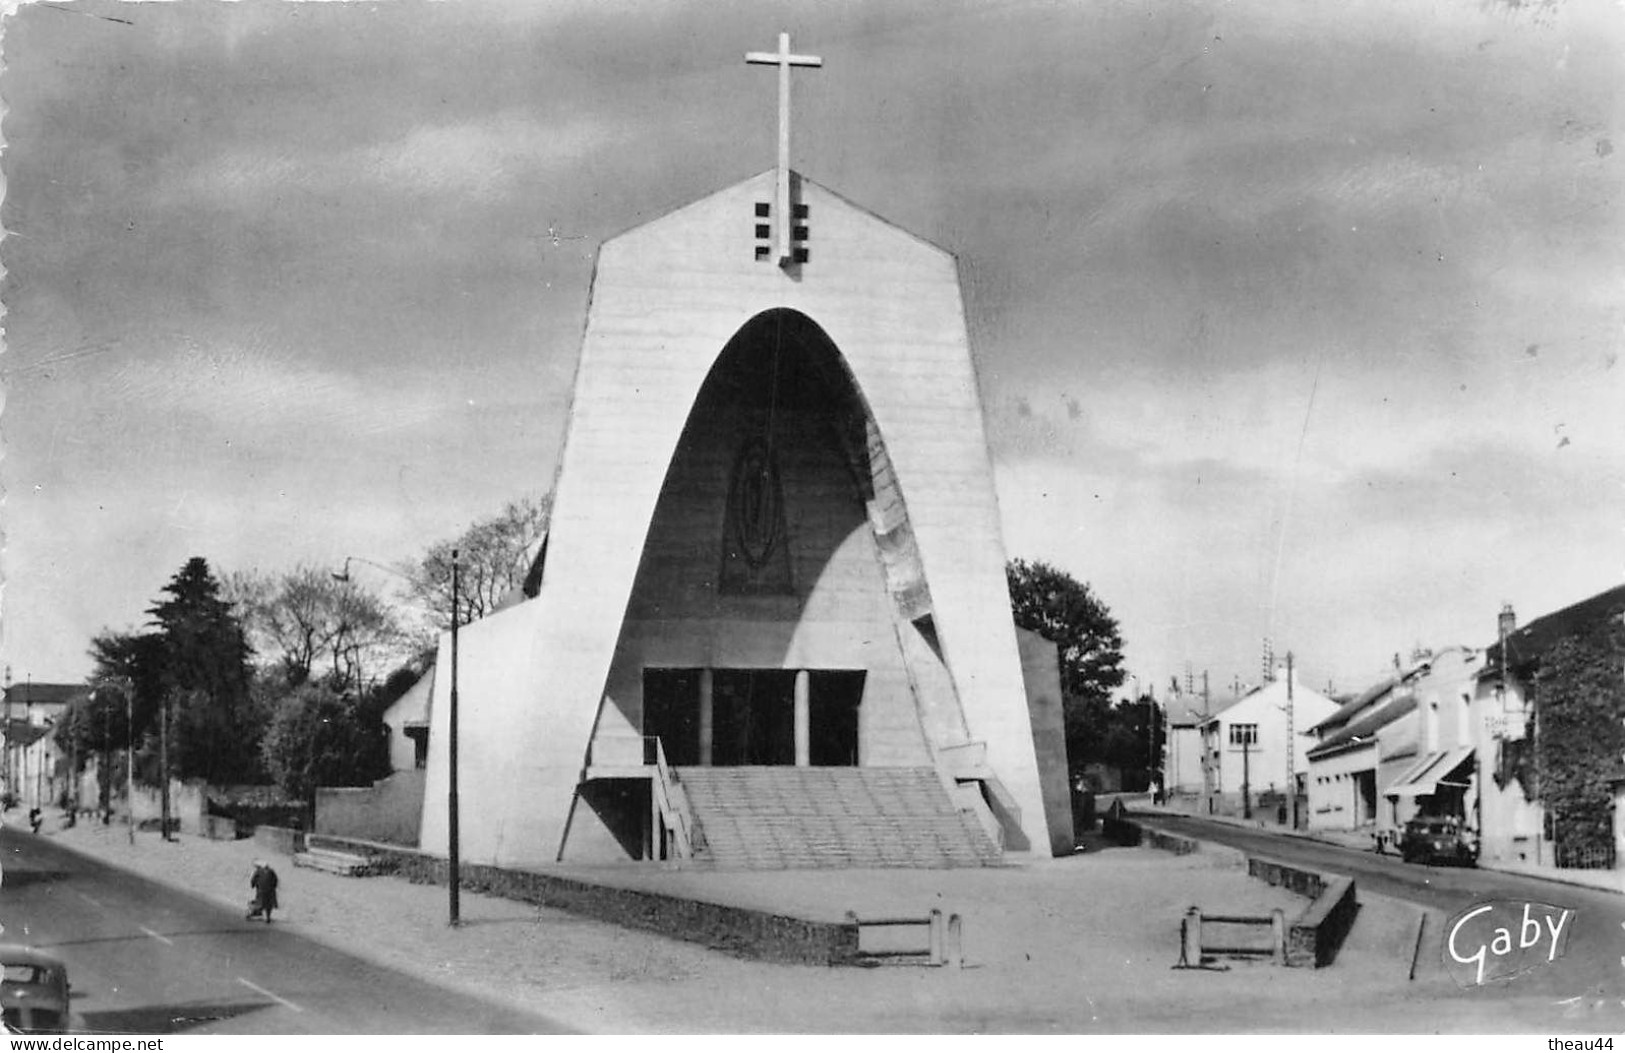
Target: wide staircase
(781,818)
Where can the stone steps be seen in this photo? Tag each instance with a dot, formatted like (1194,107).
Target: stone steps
(333,861)
(775,818)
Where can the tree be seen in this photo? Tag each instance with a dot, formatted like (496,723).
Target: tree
(310,621)
(205,675)
(1064,611)
(495,555)
(1579,736)
(1134,734)
(319,737)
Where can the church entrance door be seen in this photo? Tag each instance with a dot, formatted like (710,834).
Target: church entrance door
(671,712)
(833,702)
(754,717)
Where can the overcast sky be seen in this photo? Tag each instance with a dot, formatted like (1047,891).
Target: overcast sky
(1292,320)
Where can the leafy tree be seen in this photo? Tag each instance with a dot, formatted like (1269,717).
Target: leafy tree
(309,621)
(1579,738)
(1064,610)
(319,737)
(96,725)
(1134,739)
(495,556)
(205,675)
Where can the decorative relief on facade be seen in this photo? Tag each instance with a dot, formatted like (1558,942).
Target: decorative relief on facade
(755,551)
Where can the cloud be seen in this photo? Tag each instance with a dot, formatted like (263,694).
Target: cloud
(249,388)
(483,160)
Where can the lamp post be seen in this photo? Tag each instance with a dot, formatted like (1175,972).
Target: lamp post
(129,755)
(453,872)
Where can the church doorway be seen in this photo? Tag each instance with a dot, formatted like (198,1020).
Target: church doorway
(834,697)
(733,717)
(671,705)
(754,717)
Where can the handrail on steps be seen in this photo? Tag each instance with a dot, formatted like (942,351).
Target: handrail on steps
(671,802)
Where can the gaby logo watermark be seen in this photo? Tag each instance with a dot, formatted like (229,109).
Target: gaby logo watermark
(1500,939)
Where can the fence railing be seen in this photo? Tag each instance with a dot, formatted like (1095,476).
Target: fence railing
(931,940)
(1584,857)
(670,800)
(1206,937)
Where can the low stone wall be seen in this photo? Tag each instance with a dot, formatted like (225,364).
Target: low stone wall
(281,839)
(1128,832)
(737,930)
(1313,939)
(186,806)
(220,828)
(390,810)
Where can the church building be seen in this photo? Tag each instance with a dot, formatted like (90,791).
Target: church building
(772,627)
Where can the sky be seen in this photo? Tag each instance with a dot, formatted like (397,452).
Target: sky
(1298,322)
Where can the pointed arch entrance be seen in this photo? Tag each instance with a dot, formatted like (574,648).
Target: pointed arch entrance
(778,575)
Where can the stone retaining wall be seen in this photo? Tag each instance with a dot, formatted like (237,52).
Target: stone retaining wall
(282,839)
(737,930)
(1128,832)
(1312,940)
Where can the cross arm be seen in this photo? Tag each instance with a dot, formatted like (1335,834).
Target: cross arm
(769,58)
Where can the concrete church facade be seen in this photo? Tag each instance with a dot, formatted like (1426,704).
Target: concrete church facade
(775,548)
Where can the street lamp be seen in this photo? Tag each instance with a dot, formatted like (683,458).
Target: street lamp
(453,870)
(454,873)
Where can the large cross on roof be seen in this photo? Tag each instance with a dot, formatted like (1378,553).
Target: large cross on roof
(783,59)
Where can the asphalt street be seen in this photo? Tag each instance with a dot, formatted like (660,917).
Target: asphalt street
(1592,967)
(147,959)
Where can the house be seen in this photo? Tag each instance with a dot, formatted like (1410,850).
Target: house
(1430,766)
(32,759)
(1182,763)
(1344,764)
(1504,713)
(1397,749)
(1257,744)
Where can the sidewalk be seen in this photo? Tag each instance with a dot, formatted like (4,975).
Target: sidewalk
(1081,944)
(1606,880)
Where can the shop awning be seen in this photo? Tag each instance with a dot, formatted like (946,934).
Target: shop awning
(1435,770)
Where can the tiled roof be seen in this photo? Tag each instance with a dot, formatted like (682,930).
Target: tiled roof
(1525,646)
(1366,726)
(44,694)
(1347,710)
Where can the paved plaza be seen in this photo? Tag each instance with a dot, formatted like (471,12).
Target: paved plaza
(1081,944)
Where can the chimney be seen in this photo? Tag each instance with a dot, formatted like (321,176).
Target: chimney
(1506,622)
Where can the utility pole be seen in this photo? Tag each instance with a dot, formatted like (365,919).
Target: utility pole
(1246,778)
(5,733)
(129,754)
(1291,748)
(453,871)
(163,764)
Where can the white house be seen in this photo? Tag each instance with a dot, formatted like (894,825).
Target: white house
(1258,743)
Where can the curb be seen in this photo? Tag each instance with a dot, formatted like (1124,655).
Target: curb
(1555,877)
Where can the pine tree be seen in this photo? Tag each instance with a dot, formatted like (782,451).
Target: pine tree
(205,675)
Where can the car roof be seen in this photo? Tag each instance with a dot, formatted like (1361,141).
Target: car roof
(19,954)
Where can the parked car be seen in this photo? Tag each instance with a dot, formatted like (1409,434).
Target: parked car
(33,991)
(1438,839)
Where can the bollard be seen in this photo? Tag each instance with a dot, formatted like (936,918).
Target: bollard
(936,936)
(1278,935)
(1192,932)
(956,942)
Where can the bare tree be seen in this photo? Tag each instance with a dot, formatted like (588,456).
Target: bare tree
(496,556)
(312,621)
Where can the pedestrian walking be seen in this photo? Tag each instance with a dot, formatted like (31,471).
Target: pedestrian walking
(264,885)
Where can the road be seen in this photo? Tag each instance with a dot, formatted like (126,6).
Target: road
(147,959)
(1593,965)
